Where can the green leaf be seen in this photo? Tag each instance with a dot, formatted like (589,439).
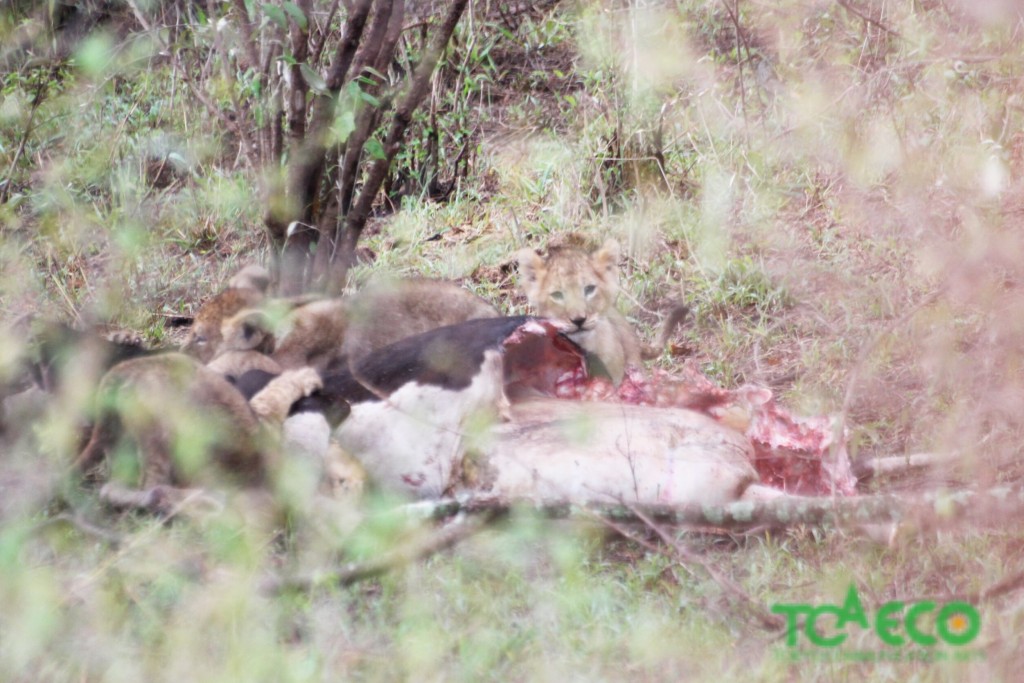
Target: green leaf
(370,70)
(178,160)
(343,126)
(375,149)
(296,13)
(312,78)
(95,54)
(369,99)
(275,14)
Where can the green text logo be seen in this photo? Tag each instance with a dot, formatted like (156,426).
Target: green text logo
(955,622)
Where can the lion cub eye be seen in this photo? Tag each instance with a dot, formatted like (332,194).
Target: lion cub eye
(589,290)
(557,296)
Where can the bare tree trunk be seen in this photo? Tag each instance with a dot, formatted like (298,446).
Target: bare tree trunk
(308,161)
(380,47)
(301,189)
(250,58)
(368,116)
(306,208)
(355,219)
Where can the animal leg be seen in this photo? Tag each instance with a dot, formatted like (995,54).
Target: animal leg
(161,500)
(272,403)
(104,432)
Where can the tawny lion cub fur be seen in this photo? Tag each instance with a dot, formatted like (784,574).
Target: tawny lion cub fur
(382,313)
(246,344)
(188,426)
(247,289)
(578,289)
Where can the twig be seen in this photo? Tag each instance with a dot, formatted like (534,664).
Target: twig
(458,529)
(1007,585)
(120,131)
(84,526)
(29,125)
(740,40)
(219,113)
(141,17)
(214,110)
(418,83)
(636,302)
(306,163)
(769,621)
(376,51)
(874,22)
(248,36)
(318,47)
(900,464)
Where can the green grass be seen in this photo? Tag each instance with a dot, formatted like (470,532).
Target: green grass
(528,600)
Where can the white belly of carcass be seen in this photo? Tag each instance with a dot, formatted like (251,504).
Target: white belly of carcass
(413,441)
(556,450)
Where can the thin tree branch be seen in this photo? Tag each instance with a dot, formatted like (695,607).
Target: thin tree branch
(734,15)
(683,556)
(782,512)
(874,22)
(386,36)
(248,37)
(1007,585)
(455,531)
(309,158)
(86,527)
(37,99)
(318,47)
(355,220)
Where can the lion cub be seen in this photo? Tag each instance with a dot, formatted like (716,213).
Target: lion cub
(247,289)
(247,340)
(186,425)
(382,313)
(578,289)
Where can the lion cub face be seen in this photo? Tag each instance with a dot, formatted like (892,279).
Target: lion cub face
(246,289)
(247,340)
(572,286)
(248,330)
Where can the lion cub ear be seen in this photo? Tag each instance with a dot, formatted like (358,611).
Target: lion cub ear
(253,277)
(531,266)
(607,257)
(249,329)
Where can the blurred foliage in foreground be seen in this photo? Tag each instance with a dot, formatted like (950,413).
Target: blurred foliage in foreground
(834,187)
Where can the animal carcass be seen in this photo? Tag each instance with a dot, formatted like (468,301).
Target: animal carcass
(504,407)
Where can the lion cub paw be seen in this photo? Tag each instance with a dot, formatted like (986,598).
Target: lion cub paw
(125,338)
(307,380)
(272,403)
